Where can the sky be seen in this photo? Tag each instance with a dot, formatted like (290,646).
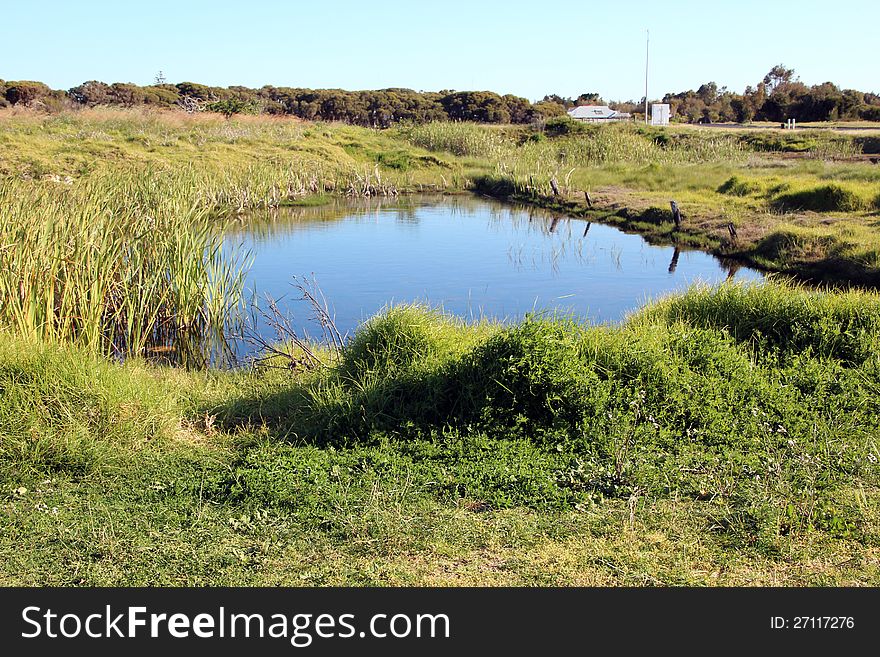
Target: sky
(526,48)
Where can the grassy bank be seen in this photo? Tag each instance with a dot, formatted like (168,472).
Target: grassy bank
(813,216)
(112,221)
(802,203)
(720,437)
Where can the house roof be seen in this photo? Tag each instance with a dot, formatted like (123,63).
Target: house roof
(591,112)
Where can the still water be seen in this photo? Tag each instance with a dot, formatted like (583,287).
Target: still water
(470,256)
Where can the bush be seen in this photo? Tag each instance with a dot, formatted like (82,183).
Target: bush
(832,197)
(25,92)
(736,186)
(232,106)
(842,326)
(497,186)
(398,340)
(565,125)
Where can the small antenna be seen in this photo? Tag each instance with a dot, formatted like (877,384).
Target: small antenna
(647,44)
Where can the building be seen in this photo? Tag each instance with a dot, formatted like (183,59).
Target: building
(660,114)
(597,114)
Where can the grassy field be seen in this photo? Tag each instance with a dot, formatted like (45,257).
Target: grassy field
(719,438)
(722,437)
(804,203)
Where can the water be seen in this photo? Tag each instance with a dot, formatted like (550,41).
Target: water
(471,256)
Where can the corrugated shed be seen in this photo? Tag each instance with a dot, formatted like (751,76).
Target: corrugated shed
(592,112)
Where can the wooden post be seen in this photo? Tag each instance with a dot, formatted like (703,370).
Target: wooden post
(676,214)
(555,186)
(732,230)
(588,199)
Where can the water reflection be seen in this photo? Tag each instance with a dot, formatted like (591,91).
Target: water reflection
(470,256)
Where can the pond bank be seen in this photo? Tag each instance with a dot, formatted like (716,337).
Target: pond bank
(804,253)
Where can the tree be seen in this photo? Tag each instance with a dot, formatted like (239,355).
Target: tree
(566,103)
(777,76)
(195,91)
(127,94)
(590,98)
(708,93)
(548,109)
(26,92)
(231,106)
(91,93)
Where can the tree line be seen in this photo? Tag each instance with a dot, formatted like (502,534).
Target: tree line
(777,97)
(780,95)
(379,108)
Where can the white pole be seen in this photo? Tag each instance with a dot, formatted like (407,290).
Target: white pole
(647,44)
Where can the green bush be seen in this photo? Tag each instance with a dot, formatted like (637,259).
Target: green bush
(232,106)
(565,125)
(832,197)
(399,339)
(736,186)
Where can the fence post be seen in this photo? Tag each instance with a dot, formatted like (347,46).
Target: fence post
(676,214)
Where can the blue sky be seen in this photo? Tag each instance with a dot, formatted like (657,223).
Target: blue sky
(527,48)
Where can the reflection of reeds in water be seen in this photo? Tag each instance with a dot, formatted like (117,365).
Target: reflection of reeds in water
(551,253)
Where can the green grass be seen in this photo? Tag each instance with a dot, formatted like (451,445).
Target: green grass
(121,263)
(831,197)
(720,437)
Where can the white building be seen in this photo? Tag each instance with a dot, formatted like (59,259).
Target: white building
(659,114)
(597,114)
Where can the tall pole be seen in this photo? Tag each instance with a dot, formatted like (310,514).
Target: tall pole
(647,43)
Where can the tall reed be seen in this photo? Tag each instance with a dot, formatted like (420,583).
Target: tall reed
(119,263)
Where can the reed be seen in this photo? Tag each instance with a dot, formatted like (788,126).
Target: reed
(120,263)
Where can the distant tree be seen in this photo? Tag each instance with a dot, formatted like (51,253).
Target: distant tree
(548,109)
(746,107)
(196,91)
(708,93)
(786,101)
(778,96)
(480,106)
(127,94)
(778,76)
(160,78)
(91,93)
(566,103)
(231,106)
(625,106)
(519,109)
(26,92)
(163,95)
(589,99)
(851,104)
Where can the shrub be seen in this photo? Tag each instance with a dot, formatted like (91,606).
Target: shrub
(565,125)
(736,186)
(832,197)
(397,340)
(232,106)
(498,186)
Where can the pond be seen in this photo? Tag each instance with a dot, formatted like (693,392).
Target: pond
(470,256)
